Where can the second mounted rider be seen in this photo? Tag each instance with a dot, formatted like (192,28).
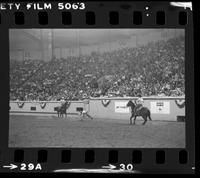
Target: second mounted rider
(62,101)
(139,104)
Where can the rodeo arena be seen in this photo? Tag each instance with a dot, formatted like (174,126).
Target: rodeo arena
(97,88)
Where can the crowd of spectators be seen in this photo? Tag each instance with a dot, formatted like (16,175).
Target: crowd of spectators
(155,69)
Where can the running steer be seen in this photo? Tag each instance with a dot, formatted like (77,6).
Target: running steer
(144,112)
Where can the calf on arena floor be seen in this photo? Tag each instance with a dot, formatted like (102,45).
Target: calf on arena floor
(84,113)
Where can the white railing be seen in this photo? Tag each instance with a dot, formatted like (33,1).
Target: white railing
(111,98)
(145,98)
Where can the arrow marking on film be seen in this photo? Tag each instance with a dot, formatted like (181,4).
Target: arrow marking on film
(11,166)
(110,166)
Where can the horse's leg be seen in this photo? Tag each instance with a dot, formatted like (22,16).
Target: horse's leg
(131,119)
(63,114)
(66,113)
(150,118)
(149,115)
(134,120)
(145,119)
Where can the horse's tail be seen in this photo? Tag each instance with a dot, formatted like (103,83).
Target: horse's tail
(149,115)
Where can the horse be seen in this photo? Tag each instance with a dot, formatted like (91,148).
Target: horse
(61,110)
(144,112)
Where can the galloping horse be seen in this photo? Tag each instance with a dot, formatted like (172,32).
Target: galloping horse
(61,110)
(144,112)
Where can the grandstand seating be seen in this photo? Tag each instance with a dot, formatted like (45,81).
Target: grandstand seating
(150,70)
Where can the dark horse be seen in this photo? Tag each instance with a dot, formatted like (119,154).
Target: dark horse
(144,112)
(61,110)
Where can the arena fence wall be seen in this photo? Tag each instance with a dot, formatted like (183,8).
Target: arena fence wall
(162,108)
(42,107)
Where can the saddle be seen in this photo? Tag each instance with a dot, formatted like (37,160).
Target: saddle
(137,109)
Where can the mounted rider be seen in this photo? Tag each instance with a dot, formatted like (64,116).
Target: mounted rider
(85,107)
(139,103)
(62,101)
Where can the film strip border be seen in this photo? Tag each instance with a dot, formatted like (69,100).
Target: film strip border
(115,15)
(90,18)
(131,160)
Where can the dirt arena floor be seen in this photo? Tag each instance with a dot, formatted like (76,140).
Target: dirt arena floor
(49,131)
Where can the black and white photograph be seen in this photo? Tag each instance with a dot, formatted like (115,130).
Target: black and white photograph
(97,88)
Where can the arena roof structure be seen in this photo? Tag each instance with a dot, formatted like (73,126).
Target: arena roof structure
(67,38)
(47,44)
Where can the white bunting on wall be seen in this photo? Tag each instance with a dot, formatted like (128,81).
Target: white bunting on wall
(42,105)
(105,102)
(20,104)
(180,103)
